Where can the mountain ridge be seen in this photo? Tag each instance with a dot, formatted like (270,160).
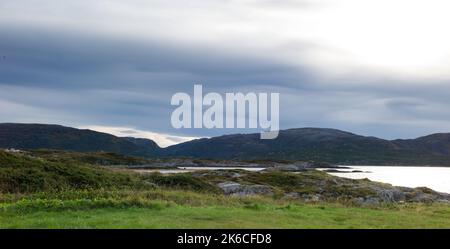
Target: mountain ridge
(307,144)
(51,136)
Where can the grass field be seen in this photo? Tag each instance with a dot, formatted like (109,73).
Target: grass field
(36,192)
(306,216)
(184,209)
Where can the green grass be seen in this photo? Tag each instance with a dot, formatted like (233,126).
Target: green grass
(41,192)
(251,216)
(166,208)
(96,158)
(25,174)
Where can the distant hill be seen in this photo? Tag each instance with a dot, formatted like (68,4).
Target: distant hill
(319,144)
(39,136)
(307,144)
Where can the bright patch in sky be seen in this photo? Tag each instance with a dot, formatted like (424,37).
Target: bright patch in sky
(398,38)
(163,140)
(406,38)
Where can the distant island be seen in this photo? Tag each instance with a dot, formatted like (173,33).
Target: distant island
(305,144)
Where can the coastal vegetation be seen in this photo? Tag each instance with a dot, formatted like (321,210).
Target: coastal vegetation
(64,190)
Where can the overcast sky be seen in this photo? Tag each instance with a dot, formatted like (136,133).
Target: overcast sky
(379,68)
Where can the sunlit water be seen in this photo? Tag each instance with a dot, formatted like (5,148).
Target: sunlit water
(436,178)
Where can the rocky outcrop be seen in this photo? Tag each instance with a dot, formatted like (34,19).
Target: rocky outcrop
(312,185)
(390,195)
(233,188)
(302,166)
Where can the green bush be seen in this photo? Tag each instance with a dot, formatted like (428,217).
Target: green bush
(24,174)
(180,181)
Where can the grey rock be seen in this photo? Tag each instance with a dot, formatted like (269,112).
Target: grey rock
(236,175)
(229,187)
(311,197)
(391,195)
(424,197)
(292,195)
(233,188)
(370,201)
(289,167)
(301,166)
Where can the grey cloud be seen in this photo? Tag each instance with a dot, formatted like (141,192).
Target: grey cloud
(78,78)
(115,82)
(57,58)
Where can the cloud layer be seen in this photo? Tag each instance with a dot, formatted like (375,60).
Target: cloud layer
(379,69)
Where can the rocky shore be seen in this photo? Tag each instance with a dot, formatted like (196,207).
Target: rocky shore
(310,185)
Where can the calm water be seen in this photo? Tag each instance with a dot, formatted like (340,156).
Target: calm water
(190,169)
(437,178)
